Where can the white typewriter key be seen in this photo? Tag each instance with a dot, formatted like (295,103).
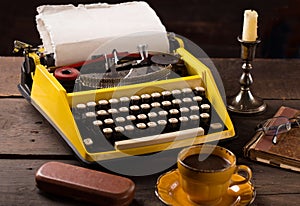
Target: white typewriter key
(167,95)
(129,128)
(163,114)
(184,111)
(199,91)
(102,114)
(187,100)
(187,91)
(142,117)
(145,108)
(113,111)
(97,123)
(194,121)
(152,115)
(90,114)
(131,118)
(197,99)
(120,120)
(135,99)
(91,106)
(174,113)
(166,105)
(156,97)
(155,105)
(103,104)
(176,103)
(176,93)
(141,126)
(184,120)
(205,108)
(162,122)
(124,110)
(124,101)
(108,132)
(146,98)
(114,102)
(152,124)
(134,109)
(173,122)
(88,141)
(81,106)
(129,131)
(109,123)
(194,109)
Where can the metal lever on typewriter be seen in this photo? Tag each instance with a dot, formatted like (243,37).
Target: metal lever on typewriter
(143,54)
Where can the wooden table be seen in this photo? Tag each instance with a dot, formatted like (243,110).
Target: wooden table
(28,141)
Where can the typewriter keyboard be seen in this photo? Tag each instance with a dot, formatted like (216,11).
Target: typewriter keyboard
(145,119)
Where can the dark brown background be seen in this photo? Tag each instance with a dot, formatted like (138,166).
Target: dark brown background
(212,24)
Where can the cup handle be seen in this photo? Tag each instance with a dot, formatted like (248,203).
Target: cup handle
(245,169)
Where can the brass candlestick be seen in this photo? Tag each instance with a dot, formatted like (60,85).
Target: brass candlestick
(245,102)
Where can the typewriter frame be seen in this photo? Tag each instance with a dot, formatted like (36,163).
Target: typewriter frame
(50,98)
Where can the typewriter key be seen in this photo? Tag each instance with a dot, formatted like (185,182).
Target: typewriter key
(134,110)
(156,97)
(124,111)
(114,103)
(176,93)
(153,116)
(163,114)
(120,121)
(145,108)
(108,133)
(187,92)
(113,112)
(197,99)
(102,114)
(124,101)
(131,118)
(173,124)
(135,100)
(129,131)
(174,113)
(205,121)
(184,111)
(142,118)
(155,105)
(146,98)
(187,102)
(194,110)
(103,104)
(166,95)
(161,125)
(90,117)
(91,106)
(152,128)
(79,111)
(166,105)
(199,91)
(205,108)
(194,121)
(97,124)
(119,130)
(88,141)
(109,123)
(176,103)
(184,122)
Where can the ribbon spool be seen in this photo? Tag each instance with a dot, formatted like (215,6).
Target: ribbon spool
(67,76)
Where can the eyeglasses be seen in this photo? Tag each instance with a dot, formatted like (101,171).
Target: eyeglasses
(278,125)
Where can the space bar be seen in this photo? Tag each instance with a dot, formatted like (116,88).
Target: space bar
(158,139)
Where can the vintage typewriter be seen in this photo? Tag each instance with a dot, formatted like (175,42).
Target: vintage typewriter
(126,104)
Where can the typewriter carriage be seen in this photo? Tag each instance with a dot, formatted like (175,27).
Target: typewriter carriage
(50,98)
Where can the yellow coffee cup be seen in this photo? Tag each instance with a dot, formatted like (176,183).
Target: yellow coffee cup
(206,171)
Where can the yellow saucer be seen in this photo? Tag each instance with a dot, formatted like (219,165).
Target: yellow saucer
(169,191)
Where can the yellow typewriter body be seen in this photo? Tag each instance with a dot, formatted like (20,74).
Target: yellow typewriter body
(52,100)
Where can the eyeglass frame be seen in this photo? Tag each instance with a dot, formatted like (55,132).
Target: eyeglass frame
(292,122)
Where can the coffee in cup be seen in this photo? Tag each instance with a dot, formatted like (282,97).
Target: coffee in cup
(206,171)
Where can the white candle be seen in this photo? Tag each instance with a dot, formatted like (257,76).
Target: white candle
(250,25)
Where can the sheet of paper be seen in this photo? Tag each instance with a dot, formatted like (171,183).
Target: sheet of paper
(75,33)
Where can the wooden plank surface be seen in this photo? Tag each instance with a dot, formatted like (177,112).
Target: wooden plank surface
(18,186)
